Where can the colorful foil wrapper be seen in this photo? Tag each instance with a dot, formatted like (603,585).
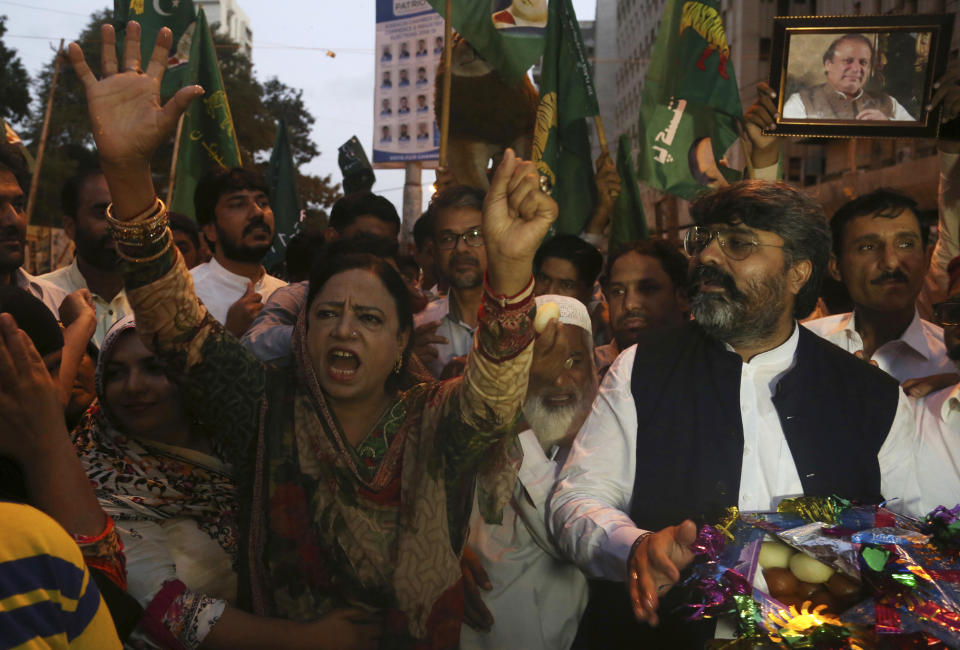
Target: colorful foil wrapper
(912,571)
(825,509)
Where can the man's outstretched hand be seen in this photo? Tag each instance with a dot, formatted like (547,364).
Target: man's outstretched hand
(654,567)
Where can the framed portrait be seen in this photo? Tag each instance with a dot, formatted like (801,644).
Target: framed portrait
(858,76)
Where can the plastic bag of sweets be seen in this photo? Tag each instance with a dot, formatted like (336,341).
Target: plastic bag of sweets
(789,576)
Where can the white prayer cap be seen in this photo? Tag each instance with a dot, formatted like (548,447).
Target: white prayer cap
(572,311)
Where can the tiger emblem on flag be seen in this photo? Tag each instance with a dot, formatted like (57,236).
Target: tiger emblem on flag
(705,20)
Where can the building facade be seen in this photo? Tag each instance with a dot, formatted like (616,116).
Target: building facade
(831,170)
(230,20)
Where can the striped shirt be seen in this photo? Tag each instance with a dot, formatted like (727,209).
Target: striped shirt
(47,597)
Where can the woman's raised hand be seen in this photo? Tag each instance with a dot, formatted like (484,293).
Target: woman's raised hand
(516,218)
(128,120)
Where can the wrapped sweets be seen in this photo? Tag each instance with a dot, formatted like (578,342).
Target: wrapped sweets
(853,577)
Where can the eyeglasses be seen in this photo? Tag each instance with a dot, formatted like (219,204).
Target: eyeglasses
(947,313)
(734,244)
(448,239)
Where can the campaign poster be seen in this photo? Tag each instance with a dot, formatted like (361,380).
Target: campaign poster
(409,47)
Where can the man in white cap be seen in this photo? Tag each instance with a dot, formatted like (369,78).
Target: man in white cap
(534,598)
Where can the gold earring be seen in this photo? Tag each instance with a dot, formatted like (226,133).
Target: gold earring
(399,364)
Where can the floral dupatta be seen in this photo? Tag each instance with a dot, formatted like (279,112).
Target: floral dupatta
(331,535)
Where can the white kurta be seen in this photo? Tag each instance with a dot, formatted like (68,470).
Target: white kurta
(218,288)
(595,487)
(537,597)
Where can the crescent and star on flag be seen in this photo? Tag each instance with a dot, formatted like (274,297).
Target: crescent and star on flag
(136,7)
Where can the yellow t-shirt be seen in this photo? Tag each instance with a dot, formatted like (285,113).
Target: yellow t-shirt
(47,597)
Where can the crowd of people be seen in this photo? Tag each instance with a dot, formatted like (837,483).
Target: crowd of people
(399,451)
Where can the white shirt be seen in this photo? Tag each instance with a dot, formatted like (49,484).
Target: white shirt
(50,295)
(70,279)
(793,109)
(218,288)
(537,597)
(459,335)
(919,352)
(594,489)
(938,439)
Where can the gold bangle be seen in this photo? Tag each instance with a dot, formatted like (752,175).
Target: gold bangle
(150,258)
(146,227)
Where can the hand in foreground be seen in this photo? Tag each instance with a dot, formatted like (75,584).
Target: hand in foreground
(655,565)
(475,578)
(129,123)
(516,218)
(551,351)
(29,397)
(78,307)
(240,315)
(348,629)
(764,149)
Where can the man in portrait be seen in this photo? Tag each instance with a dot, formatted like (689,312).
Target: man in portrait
(847,66)
(522,13)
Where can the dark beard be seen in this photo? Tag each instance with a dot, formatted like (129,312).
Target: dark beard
(96,253)
(737,317)
(238,252)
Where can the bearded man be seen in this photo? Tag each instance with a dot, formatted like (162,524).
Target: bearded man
(444,329)
(740,407)
(96,266)
(535,597)
(234,214)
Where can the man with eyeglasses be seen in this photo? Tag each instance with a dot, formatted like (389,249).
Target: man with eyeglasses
(740,407)
(444,330)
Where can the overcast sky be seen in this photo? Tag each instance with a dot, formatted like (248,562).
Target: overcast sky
(290,42)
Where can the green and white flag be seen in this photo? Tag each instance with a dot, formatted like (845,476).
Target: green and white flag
(561,142)
(284,197)
(178,15)
(628,221)
(690,103)
(508,35)
(207,139)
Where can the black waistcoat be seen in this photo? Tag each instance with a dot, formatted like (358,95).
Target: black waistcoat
(835,411)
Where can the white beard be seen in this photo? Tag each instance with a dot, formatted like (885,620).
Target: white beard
(553,424)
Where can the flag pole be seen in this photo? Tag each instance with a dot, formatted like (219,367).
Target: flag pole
(448,64)
(35,181)
(173,161)
(601,135)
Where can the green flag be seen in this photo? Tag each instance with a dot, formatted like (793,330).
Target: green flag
(207,138)
(628,221)
(690,103)
(509,36)
(561,143)
(178,15)
(284,198)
